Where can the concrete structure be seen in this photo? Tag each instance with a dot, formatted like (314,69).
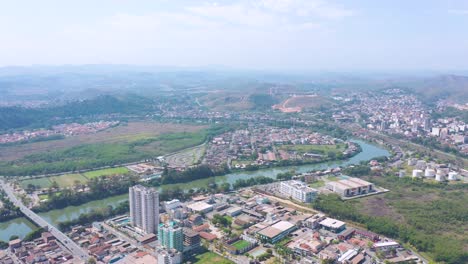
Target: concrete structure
(452,176)
(169,257)
(383,246)
(429,173)
(171,236)
(192,240)
(350,187)
(200,207)
(417,173)
(440,176)
(298,191)
(333,225)
(173,204)
(144,208)
(276,232)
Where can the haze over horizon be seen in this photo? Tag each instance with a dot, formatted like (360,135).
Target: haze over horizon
(266,35)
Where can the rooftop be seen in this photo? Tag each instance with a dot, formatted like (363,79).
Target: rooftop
(332,223)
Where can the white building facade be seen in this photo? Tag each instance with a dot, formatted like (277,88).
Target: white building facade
(144,208)
(298,191)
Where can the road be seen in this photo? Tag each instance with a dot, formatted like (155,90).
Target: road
(76,251)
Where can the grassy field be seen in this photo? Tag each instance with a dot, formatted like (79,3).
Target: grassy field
(437,212)
(211,258)
(68,180)
(317,149)
(317,184)
(90,156)
(106,172)
(240,244)
(41,182)
(125,133)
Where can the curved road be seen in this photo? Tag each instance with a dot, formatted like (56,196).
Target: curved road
(76,251)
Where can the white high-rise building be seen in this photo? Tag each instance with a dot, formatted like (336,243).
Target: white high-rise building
(144,208)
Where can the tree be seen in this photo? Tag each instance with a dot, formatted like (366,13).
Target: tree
(13,237)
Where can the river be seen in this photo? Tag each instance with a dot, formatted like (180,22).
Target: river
(22,226)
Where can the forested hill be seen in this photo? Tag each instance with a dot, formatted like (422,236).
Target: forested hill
(17,117)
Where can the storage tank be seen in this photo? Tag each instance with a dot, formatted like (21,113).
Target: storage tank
(417,173)
(440,176)
(452,176)
(429,173)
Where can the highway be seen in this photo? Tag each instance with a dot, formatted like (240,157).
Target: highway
(77,252)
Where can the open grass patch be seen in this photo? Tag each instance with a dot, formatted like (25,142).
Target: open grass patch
(68,180)
(41,182)
(106,172)
(210,258)
(240,244)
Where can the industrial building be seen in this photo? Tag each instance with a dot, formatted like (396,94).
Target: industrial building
(200,207)
(350,187)
(333,225)
(298,191)
(276,232)
(144,208)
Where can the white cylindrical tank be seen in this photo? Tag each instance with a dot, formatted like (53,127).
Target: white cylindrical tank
(452,176)
(417,173)
(429,173)
(440,176)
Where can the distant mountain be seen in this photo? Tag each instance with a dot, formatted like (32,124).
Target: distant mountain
(452,87)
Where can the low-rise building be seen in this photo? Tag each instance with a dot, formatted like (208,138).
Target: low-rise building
(333,225)
(276,232)
(350,187)
(298,191)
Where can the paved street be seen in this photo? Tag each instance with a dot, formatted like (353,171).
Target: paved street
(77,252)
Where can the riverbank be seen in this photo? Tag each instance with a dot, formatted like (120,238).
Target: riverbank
(18,226)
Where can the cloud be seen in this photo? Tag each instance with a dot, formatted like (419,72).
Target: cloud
(458,11)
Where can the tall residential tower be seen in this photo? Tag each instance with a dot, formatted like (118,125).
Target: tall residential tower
(144,208)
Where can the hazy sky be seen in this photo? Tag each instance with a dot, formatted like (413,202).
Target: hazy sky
(263,34)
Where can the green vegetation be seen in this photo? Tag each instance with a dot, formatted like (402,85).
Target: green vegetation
(39,182)
(19,117)
(241,183)
(210,258)
(36,233)
(262,101)
(451,112)
(219,220)
(106,172)
(8,210)
(100,188)
(90,156)
(68,180)
(190,174)
(241,244)
(430,217)
(317,184)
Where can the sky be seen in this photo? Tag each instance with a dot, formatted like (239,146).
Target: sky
(263,34)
